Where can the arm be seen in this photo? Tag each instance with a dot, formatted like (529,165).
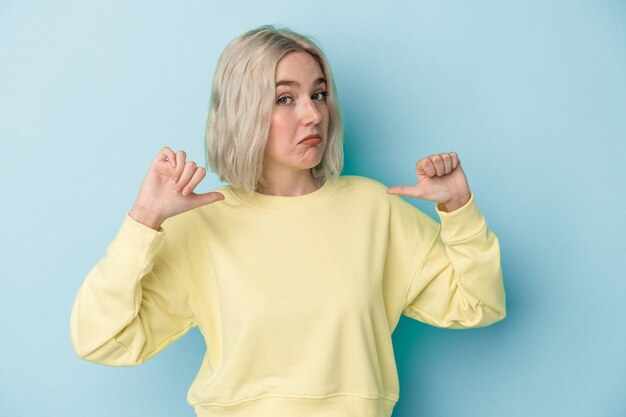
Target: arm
(132,303)
(458,280)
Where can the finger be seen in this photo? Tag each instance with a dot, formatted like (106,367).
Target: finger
(206,198)
(437,161)
(409,191)
(167,155)
(447,162)
(197,176)
(180,165)
(188,171)
(455,160)
(427,167)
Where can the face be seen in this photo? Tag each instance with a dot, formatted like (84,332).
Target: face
(299,126)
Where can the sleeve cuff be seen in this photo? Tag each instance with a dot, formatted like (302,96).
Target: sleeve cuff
(136,242)
(462,223)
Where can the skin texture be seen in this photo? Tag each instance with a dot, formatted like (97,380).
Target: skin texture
(300,111)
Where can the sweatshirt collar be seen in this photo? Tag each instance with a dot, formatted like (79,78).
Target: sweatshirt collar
(285,203)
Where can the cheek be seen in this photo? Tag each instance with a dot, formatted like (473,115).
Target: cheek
(279,134)
(280,125)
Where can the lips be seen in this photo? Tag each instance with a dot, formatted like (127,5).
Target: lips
(314,139)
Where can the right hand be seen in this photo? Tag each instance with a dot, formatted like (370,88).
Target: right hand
(167,189)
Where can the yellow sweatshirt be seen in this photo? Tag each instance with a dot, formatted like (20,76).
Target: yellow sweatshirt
(296,297)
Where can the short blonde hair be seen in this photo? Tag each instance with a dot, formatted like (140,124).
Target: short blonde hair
(242,102)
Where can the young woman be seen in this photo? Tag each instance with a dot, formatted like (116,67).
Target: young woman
(295,275)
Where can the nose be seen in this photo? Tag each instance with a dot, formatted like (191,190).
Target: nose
(311,114)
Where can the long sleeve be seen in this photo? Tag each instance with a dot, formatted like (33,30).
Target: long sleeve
(456,280)
(133,303)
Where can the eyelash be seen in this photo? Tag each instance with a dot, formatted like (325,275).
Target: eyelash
(324,95)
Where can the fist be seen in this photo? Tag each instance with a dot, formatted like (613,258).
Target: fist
(167,189)
(440,179)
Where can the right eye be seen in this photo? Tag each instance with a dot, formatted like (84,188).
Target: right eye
(283,100)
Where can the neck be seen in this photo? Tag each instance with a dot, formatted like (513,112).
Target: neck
(289,183)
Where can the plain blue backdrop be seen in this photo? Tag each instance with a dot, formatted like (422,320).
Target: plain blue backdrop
(531,94)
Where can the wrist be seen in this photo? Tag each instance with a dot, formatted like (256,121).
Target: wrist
(455,204)
(146,217)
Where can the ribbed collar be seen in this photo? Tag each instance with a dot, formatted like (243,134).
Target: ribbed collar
(284,203)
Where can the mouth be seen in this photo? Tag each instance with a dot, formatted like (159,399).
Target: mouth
(314,139)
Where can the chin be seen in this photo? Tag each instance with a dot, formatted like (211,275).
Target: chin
(309,161)
(312,164)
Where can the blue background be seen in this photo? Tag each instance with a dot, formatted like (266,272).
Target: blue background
(532,95)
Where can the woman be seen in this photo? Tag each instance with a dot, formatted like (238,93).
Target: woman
(295,275)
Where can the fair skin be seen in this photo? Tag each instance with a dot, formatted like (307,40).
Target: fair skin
(296,142)
(300,112)
(440,179)
(167,189)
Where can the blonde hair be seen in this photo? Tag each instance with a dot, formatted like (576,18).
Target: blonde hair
(242,102)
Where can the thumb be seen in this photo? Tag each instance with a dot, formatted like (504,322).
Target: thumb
(409,191)
(205,198)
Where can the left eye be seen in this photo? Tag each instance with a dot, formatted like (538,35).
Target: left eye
(321,96)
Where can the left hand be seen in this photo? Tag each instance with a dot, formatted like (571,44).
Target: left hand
(440,179)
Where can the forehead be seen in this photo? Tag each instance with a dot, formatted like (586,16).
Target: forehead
(298,66)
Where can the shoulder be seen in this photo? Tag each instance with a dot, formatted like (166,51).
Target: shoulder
(199,219)
(373,191)
(364,192)
(363,184)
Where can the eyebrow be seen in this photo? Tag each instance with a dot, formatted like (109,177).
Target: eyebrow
(319,81)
